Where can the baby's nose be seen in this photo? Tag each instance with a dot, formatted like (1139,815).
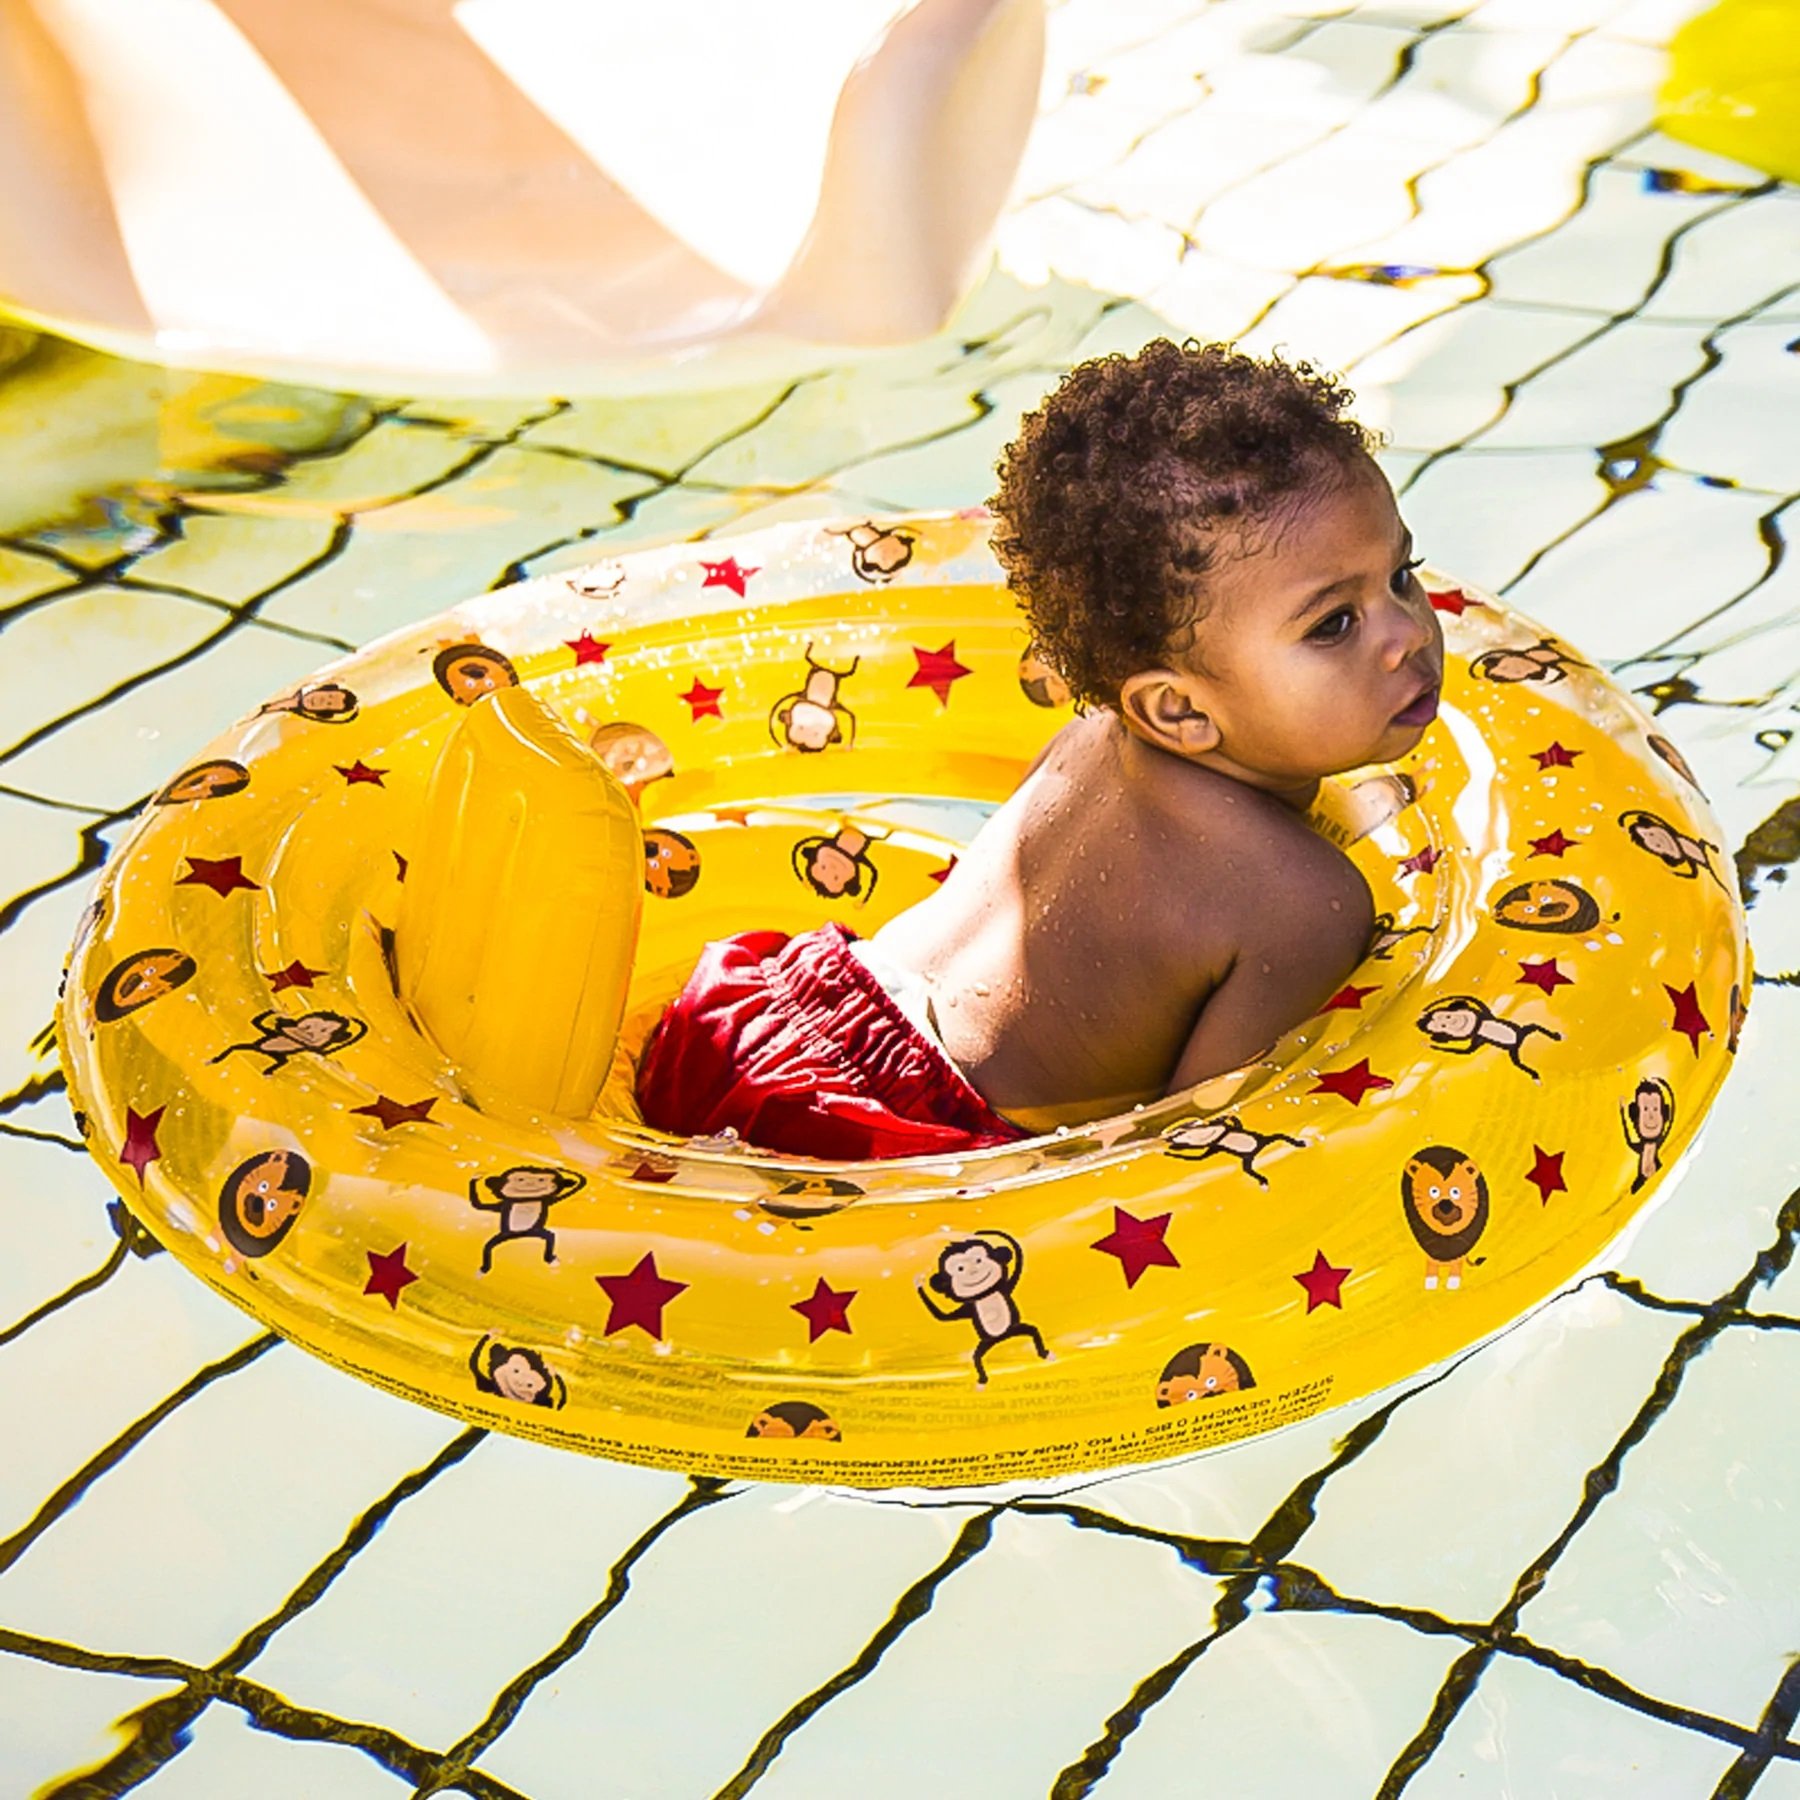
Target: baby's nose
(1411,630)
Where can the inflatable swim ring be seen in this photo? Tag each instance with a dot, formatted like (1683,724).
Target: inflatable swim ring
(340,1023)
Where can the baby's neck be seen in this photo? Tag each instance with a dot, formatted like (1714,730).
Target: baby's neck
(1296,796)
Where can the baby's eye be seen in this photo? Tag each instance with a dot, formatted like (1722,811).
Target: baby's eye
(1334,627)
(1401,579)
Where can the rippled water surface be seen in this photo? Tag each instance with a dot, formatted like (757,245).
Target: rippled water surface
(1567,1570)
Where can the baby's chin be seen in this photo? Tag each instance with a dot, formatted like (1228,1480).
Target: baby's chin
(1396,741)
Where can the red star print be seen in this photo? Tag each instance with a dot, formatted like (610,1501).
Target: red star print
(639,1298)
(1546,1173)
(1453,601)
(393,1112)
(937,670)
(1323,1283)
(1556,757)
(1352,1083)
(654,1171)
(140,1148)
(1138,1244)
(942,875)
(296,974)
(731,815)
(587,649)
(824,1309)
(1348,999)
(1689,1020)
(1553,845)
(388,1274)
(359,771)
(399,865)
(225,876)
(703,701)
(1421,862)
(1545,975)
(728,574)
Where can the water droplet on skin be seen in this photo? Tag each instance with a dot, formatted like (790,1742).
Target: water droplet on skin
(981,988)
(1337,906)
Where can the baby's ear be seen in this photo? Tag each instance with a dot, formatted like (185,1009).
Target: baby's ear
(1160,705)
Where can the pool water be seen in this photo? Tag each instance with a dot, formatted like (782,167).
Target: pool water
(1567,1569)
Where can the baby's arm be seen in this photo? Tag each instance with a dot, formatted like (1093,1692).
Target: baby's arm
(1309,929)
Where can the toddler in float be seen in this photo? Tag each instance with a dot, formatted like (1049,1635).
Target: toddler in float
(1208,557)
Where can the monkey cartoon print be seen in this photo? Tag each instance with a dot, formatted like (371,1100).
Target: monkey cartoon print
(1648,1117)
(1461,1024)
(1545,661)
(1446,1200)
(323,703)
(878,553)
(835,866)
(1680,852)
(523,1196)
(814,718)
(1226,1136)
(281,1036)
(511,1372)
(1386,936)
(978,1275)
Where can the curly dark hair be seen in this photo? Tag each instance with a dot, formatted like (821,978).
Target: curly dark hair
(1115,494)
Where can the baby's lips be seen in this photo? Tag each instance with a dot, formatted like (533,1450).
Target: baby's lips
(1426,695)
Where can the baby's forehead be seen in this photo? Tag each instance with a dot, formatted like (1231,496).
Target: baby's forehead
(1270,564)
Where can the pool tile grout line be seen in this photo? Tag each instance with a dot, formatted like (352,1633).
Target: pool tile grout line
(1601,1480)
(160,1730)
(108,1458)
(974,1537)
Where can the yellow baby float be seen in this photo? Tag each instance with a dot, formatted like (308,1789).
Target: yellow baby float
(341,1023)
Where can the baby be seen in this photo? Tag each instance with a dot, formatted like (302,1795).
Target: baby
(1209,559)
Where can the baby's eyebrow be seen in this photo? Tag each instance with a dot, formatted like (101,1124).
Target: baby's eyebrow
(1320,595)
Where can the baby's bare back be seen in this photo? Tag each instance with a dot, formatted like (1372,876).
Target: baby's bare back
(1127,924)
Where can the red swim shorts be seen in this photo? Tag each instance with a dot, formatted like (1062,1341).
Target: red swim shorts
(794,1044)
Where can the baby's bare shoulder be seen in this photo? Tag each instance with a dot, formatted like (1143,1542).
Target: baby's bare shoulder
(1270,882)
(1307,896)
